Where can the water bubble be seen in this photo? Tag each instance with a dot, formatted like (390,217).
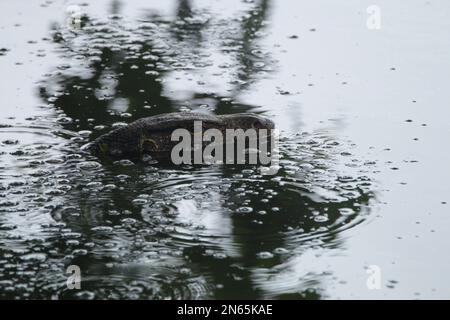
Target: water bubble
(55,160)
(71,235)
(346,211)
(99,127)
(7,226)
(85,133)
(102,229)
(119,125)
(220,255)
(8,203)
(124,162)
(85,295)
(38,257)
(321,218)
(113,212)
(54,192)
(244,210)
(139,201)
(40,173)
(264,255)
(64,120)
(128,221)
(281,251)
(94,184)
(79,252)
(10,142)
(89,165)
(122,177)
(126,115)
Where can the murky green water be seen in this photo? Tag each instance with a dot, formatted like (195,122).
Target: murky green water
(363,173)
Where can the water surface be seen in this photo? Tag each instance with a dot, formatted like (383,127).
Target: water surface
(362,178)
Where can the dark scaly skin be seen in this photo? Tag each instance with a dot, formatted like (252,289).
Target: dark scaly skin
(152,135)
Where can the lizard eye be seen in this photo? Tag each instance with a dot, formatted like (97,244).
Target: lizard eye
(149,145)
(103,147)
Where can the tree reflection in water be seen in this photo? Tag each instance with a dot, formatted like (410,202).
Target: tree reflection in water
(218,232)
